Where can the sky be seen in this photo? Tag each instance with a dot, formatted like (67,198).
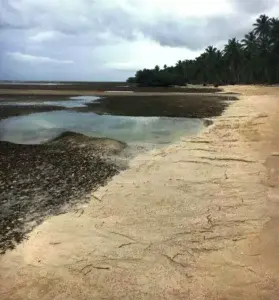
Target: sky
(109,40)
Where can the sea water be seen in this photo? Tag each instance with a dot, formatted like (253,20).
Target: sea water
(38,128)
(76,101)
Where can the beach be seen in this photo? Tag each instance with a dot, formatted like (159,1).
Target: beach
(55,150)
(194,220)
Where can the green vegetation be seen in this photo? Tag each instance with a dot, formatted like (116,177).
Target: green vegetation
(254,59)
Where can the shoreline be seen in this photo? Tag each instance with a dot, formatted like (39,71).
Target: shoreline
(195,220)
(149,105)
(70,93)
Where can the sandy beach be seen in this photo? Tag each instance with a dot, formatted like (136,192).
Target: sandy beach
(197,220)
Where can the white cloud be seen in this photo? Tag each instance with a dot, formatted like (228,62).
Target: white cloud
(110,39)
(21,57)
(123,65)
(146,54)
(44,36)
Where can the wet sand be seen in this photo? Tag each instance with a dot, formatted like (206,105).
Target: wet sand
(21,110)
(196,220)
(100,87)
(198,105)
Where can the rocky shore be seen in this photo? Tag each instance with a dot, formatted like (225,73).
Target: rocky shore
(41,180)
(37,181)
(197,105)
(184,106)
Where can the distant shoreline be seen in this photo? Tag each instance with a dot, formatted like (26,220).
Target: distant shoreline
(42,92)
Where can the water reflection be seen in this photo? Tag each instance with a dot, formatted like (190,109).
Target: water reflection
(40,127)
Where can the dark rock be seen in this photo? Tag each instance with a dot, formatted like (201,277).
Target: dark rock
(42,180)
(190,106)
(102,145)
(207,122)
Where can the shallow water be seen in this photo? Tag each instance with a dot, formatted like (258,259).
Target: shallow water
(78,101)
(30,83)
(40,127)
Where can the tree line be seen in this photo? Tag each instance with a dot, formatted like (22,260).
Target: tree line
(254,59)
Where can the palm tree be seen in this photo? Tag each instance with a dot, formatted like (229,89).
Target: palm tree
(180,66)
(250,47)
(219,67)
(274,31)
(274,48)
(157,68)
(234,56)
(250,42)
(262,26)
(262,29)
(253,60)
(211,61)
(201,69)
(211,50)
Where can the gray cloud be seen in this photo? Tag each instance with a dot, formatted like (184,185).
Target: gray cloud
(82,32)
(119,22)
(254,6)
(196,33)
(21,57)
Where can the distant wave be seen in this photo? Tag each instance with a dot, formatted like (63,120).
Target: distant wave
(30,83)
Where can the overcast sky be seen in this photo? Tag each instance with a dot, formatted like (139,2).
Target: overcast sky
(111,39)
